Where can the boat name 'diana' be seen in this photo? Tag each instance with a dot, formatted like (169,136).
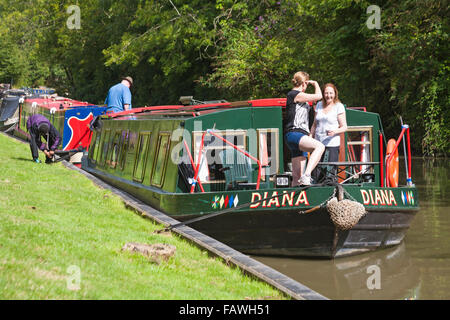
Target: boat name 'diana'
(275,200)
(291,199)
(378,197)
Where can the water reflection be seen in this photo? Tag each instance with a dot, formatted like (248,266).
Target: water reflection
(417,269)
(428,240)
(385,274)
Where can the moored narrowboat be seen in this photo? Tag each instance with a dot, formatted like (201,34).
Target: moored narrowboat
(9,108)
(223,168)
(70,117)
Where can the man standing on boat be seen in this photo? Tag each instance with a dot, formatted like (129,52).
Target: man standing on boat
(39,126)
(119,96)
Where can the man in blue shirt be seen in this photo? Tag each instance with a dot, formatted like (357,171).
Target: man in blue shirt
(119,96)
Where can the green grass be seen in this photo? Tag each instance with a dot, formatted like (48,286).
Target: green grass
(52,218)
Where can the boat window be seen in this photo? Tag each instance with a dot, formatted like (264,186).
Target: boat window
(130,156)
(123,150)
(359,144)
(161,159)
(93,149)
(133,139)
(25,115)
(104,146)
(211,163)
(99,147)
(24,119)
(141,156)
(116,145)
(268,147)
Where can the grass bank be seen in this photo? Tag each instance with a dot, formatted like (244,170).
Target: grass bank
(61,238)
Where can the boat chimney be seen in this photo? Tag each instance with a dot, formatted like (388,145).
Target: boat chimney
(186,100)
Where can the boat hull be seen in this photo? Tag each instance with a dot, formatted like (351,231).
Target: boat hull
(277,228)
(9,113)
(305,235)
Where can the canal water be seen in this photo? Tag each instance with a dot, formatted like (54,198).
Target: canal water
(419,268)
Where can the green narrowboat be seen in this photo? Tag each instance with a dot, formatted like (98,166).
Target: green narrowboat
(225,166)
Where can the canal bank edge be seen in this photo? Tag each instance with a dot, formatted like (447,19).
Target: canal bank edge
(281,282)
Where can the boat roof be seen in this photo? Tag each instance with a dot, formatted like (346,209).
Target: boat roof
(59,103)
(189,111)
(356,116)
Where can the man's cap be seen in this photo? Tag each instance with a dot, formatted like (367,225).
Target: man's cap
(43,128)
(129,79)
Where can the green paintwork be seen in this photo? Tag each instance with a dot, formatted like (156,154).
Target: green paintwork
(157,178)
(363,118)
(231,119)
(266,221)
(129,131)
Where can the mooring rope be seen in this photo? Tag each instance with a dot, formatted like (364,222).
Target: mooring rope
(322,205)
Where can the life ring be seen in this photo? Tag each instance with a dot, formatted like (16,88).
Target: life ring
(392,173)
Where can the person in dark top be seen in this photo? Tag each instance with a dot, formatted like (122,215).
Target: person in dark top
(298,137)
(39,126)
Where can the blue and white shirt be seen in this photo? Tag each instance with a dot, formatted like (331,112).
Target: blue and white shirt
(118,96)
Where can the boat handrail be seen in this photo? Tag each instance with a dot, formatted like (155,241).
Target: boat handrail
(349,163)
(179,108)
(191,159)
(381,156)
(197,167)
(271,102)
(405,128)
(279,102)
(358,108)
(349,168)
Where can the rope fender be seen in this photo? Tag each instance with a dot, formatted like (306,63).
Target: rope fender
(344,213)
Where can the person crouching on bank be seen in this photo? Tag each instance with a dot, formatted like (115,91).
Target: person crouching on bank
(39,126)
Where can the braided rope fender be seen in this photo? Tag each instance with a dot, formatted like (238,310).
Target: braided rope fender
(345,213)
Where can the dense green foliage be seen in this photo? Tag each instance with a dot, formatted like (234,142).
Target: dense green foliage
(241,49)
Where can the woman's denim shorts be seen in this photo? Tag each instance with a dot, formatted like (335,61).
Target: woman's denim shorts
(292,141)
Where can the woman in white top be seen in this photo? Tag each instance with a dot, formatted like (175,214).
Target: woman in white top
(329,122)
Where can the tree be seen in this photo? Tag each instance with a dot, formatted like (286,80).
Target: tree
(239,50)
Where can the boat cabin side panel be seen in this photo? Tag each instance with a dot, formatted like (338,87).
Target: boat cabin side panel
(136,150)
(152,151)
(361,143)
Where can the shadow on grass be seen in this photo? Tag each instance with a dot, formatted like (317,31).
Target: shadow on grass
(23,159)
